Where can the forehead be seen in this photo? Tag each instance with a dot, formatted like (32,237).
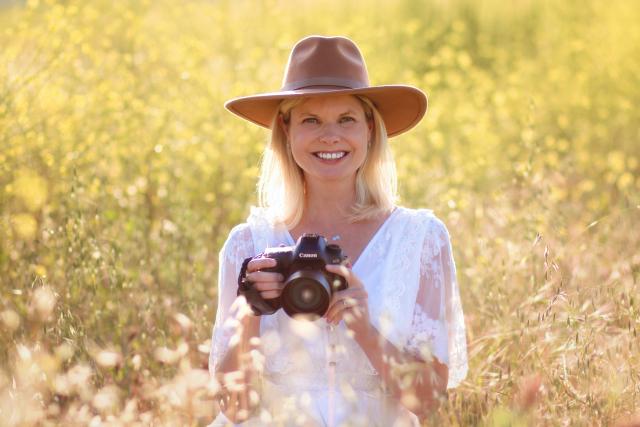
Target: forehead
(329,104)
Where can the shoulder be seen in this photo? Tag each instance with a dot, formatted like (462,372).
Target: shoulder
(238,241)
(239,232)
(429,227)
(426,220)
(258,219)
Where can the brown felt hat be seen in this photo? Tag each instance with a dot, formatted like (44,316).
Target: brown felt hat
(333,66)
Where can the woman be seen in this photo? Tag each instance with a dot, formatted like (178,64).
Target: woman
(391,343)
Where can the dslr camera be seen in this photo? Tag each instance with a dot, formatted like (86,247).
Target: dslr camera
(308,287)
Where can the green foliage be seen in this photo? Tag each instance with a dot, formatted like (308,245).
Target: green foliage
(121,175)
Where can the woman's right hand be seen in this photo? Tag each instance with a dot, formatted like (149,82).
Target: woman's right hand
(269,284)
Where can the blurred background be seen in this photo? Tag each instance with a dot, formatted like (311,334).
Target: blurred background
(121,175)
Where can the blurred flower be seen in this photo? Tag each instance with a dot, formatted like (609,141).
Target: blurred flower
(40,270)
(108,358)
(183,323)
(205,347)
(305,329)
(169,227)
(23,352)
(31,189)
(107,399)
(168,356)
(130,412)
(79,380)
(234,381)
(10,320)
(64,351)
(61,385)
(136,361)
(42,303)
(25,226)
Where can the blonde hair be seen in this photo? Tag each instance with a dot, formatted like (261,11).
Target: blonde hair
(281,187)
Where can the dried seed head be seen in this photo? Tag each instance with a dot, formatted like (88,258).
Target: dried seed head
(184,324)
(42,304)
(108,358)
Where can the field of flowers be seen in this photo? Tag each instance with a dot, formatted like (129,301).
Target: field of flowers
(121,175)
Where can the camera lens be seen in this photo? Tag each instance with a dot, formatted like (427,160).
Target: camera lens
(306,293)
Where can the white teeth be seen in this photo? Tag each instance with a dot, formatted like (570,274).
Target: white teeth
(331,156)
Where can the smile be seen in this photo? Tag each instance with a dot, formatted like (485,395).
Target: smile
(335,155)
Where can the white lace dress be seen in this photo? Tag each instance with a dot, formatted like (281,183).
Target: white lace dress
(317,375)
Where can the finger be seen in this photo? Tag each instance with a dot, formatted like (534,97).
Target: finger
(345,272)
(264,276)
(342,270)
(357,295)
(350,293)
(270,294)
(348,314)
(347,300)
(261,263)
(340,305)
(268,286)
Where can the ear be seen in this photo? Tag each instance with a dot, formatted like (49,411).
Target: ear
(283,125)
(369,129)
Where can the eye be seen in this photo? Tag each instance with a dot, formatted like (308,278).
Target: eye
(310,120)
(347,119)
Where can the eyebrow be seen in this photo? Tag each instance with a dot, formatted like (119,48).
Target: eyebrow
(308,113)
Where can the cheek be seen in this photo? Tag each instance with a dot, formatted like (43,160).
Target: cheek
(298,150)
(300,139)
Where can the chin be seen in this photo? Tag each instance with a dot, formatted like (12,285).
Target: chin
(337,177)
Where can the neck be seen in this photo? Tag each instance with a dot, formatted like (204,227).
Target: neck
(328,203)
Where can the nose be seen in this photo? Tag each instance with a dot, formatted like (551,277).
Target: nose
(329,134)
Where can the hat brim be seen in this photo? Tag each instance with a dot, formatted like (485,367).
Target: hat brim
(400,106)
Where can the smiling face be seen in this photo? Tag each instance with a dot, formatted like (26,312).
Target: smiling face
(328,136)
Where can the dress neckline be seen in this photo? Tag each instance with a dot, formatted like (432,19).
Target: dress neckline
(366,248)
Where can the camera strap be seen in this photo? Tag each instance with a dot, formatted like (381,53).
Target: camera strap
(243,283)
(245,287)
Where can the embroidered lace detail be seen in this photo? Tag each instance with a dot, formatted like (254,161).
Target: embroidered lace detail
(429,337)
(404,261)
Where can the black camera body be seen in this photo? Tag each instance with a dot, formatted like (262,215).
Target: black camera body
(308,286)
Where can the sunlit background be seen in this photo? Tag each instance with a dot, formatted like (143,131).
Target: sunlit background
(121,175)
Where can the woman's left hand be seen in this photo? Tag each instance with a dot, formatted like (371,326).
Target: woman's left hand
(351,304)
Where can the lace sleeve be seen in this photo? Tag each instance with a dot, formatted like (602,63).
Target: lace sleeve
(438,325)
(239,245)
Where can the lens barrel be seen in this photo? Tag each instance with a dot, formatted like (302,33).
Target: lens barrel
(306,293)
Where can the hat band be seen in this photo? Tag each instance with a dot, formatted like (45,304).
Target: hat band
(325,81)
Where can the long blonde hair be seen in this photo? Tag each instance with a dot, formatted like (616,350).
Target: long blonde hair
(281,187)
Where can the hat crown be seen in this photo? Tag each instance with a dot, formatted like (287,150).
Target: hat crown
(317,61)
